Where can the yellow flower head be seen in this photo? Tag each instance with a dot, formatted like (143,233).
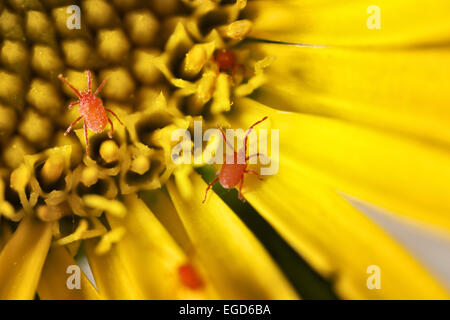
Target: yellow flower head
(359,110)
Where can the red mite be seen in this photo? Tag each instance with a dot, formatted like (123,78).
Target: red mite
(189,277)
(226,61)
(232,173)
(91,108)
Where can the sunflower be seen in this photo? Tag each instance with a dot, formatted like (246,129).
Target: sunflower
(361,117)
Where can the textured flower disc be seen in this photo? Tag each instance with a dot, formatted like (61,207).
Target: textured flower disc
(158,59)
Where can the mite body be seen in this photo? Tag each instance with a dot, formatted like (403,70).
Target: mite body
(189,276)
(226,61)
(91,109)
(232,173)
(94,113)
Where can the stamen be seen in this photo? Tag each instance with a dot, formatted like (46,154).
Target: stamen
(82,232)
(194,61)
(109,151)
(50,213)
(89,176)
(52,169)
(140,165)
(20,177)
(108,239)
(114,207)
(237,30)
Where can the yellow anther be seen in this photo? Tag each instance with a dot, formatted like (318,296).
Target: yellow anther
(140,165)
(89,176)
(238,30)
(114,207)
(109,151)
(194,61)
(20,178)
(52,169)
(108,239)
(49,213)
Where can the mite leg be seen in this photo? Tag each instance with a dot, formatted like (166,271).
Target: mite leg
(257,122)
(217,65)
(255,173)
(225,138)
(253,155)
(110,134)
(71,126)
(60,77)
(115,115)
(100,87)
(86,138)
(250,130)
(89,80)
(70,106)
(209,187)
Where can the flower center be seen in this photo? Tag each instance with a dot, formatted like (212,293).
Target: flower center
(166,63)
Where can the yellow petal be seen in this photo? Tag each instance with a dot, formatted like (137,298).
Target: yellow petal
(5,234)
(350,23)
(22,259)
(112,279)
(56,273)
(336,239)
(158,269)
(144,263)
(238,265)
(161,205)
(403,175)
(398,90)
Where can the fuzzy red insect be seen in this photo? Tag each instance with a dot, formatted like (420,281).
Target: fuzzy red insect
(189,276)
(233,172)
(226,61)
(91,109)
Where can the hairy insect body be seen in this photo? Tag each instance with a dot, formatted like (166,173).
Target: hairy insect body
(226,61)
(235,167)
(91,109)
(232,172)
(94,113)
